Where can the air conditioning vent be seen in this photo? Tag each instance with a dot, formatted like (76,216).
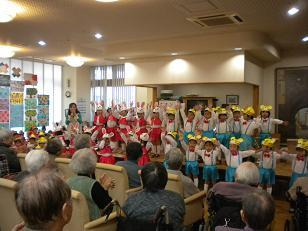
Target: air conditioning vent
(216,20)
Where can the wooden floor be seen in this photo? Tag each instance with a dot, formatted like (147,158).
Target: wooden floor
(282,213)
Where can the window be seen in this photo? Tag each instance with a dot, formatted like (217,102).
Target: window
(49,78)
(107,84)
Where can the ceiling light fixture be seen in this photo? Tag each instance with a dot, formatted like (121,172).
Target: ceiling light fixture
(174,54)
(7,11)
(75,61)
(42,43)
(305,39)
(238,49)
(293,11)
(7,51)
(98,35)
(106,0)
(122,58)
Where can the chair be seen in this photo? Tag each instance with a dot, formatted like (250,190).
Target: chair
(193,204)
(81,220)
(63,165)
(9,215)
(21,158)
(121,190)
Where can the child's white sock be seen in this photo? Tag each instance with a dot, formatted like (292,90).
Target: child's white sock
(158,149)
(154,149)
(269,190)
(196,182)
(206,187)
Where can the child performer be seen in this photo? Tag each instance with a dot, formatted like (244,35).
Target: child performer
(105,151)
(141,121)
(190,122)
(267,124)
(171,122)
(299,161)
(207,124)
(267,164)
(123,125)
(234,157)
(73,119)
(222,127)
(100,119)
(32,142)
(249,129)
(20,145)
(155,133)
(236,122)
(209,155)
(146,148)
(192,165)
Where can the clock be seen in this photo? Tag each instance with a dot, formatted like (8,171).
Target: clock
(68,94)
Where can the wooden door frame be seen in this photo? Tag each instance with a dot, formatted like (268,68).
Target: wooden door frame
(256,98)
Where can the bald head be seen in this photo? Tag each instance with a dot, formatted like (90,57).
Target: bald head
(247,173)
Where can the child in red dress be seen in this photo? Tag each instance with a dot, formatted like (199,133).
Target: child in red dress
(155,134)
(105,152)
(146,148)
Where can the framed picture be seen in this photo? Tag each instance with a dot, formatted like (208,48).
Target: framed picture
(232,99)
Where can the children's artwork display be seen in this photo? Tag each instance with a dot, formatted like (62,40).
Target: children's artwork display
(4,68)
(43,110)
(17,109)
(30,79)
(17,86)
(5,80)
(30,108)
(4,107)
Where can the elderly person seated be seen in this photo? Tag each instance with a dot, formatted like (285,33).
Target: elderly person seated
(246,181)
(133,152)
(82,141)
(175,161)
(8,155)
(83,164)
(257,212)
(144,205)
(43,200)
(301,182)
(54,148)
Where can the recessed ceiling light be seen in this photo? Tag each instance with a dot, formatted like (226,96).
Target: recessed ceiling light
(305,39)
(7,11)
(106,0)
(293,11)
(42,43)
(98,35)
(75,61)
(122,58)
(238,49)
(7,51)
(174,54)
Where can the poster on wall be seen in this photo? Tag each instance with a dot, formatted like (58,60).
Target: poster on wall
(43,110)
(4,107)
(4,68)
(5,80)
(16,109)
(30,108)
(30,79)
(17,86)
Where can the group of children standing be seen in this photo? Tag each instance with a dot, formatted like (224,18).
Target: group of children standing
(209,134)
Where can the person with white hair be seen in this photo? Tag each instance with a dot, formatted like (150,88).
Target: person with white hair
(175,160)
(83,163)
(82,141)
(36,159)
(8,154)
(246,181)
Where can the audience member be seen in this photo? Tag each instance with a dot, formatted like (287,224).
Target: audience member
(6,141)
(82,141)
(301,182)
(43,200)
(175,161)
(133,152)
(83,163)
(246,181)
(258,211)
(54,148)
(36,159)
(144,205)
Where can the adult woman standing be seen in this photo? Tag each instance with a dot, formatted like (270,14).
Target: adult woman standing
(73,119)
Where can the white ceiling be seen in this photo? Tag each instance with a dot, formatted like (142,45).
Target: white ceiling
(151,28)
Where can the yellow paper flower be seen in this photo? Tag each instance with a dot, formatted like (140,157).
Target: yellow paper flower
(266,107)
(268,142)
(301,143)
(249,111)
(235,141)
(171,111)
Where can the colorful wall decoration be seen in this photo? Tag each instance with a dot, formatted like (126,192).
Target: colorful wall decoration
(4,107)
(30,79)
(17,109)
(43,110)
(30,108)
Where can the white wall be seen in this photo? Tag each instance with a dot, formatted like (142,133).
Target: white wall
(254,74)
(144,94)
(206,68)
(219,91)
(288,60)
